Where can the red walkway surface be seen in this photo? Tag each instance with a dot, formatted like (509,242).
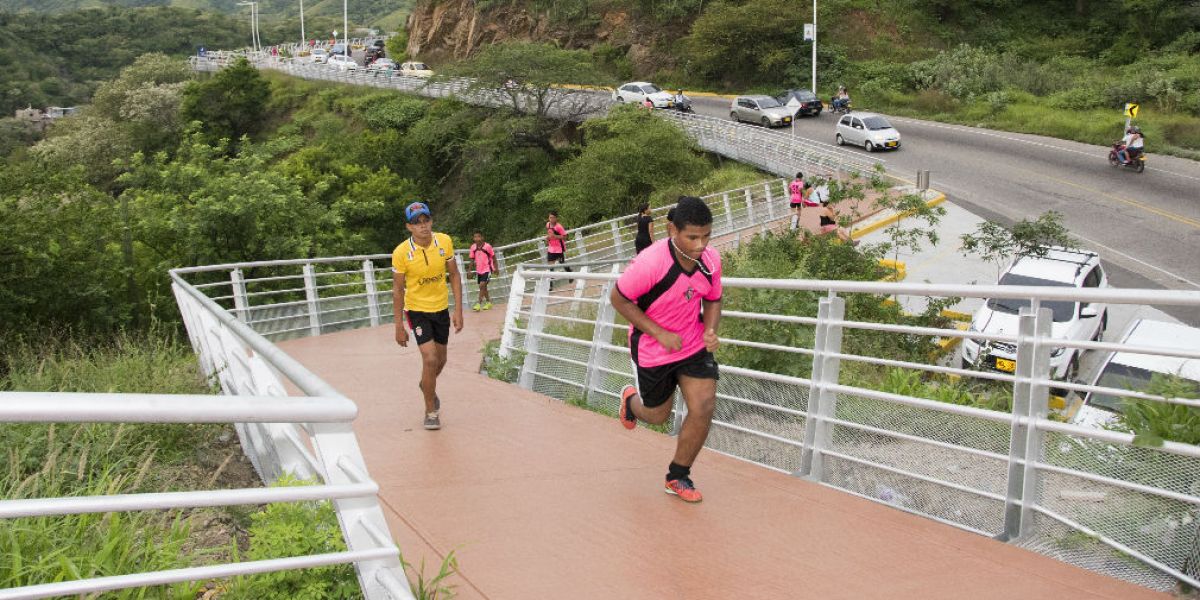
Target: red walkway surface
(543,500)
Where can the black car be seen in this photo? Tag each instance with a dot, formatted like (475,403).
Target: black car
(803,102)
(374,52)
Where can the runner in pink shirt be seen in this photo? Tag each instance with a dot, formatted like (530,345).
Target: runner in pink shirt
(485,264)
(671,296)
(556,246)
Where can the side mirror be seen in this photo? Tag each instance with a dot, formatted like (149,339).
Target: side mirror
(1088,311)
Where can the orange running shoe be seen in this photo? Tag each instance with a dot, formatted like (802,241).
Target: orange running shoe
(684,488)
(628,420)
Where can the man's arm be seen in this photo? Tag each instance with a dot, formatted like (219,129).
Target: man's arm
(398,308)
(638,318)
(456,318)
(712,320)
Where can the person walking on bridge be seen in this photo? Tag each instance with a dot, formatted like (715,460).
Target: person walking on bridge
(420,268)
(671,296)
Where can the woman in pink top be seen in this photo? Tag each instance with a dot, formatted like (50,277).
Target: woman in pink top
(485,264)
(671,296)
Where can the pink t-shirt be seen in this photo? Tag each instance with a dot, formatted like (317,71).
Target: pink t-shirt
(483,256)
(657,283)
(555,246)
(796,187)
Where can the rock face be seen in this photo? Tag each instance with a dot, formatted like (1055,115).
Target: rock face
(445,30)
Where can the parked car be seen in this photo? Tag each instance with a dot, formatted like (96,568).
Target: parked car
(382,64)
(1133,371)
(342,62)
(869,130)
(763,110)
(1060,267)
(802,102)
(414,68)
(339,48)
(319,56)
(638,91)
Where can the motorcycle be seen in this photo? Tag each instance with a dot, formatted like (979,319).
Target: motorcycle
(843,109)
(1137,164)
(683,104)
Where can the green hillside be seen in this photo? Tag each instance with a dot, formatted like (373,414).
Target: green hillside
(370,13)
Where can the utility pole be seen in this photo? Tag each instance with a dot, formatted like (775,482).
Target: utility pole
(814,51)
(303,38)
(254,45)
(345,28)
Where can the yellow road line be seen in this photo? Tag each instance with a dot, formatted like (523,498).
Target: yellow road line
(1158,211)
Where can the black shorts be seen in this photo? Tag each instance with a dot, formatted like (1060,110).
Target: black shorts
(482,277)
(427,326)
(640,244)
(556,257)
(657,384)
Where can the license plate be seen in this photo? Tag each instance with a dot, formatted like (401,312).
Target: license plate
(1003,364)
(890,144)
(787,119)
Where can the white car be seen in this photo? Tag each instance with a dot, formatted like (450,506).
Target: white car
(319,56)
(413,68)
(1061,267)
(869,130)
(342,62)
(638,91)
(382,64)
(1133,371)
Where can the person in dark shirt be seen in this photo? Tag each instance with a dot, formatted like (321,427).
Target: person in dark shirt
(644,236)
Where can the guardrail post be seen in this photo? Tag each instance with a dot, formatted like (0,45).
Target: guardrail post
(581,247)
(463,258)
(728,210)
(1031,395)
(749,206)
(618,243)
(770,201)
(372,294)
(516,288)
(501,269)
(541,244)
(822,403)
(314,300)
(240,309)
(601,334)
(537,322)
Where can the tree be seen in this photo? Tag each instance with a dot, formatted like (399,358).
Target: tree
(630,155)
(145,99)
(230,104)
(995,243)
(909,207)
(397,46)
(746,42)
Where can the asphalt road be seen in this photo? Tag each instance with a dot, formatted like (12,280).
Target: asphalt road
(1146,226)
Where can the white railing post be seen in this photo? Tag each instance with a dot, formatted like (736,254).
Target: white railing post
(749,207)
(1031,396)
(496,287)
(618,243)
(601,334)
(770,201)
(541,245)
(314,300)
(464,257)
(728,210)
(822,403)
(516,289)
(533,329)
(372,295)
(241,309)
(580,247)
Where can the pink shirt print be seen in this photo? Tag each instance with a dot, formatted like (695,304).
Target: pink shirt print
(796,187)
(483,257)
(555,246)
(657,283)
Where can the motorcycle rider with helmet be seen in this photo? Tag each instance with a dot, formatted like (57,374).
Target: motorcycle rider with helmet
(1131,145)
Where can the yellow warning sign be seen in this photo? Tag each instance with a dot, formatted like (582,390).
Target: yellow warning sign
(1131,110)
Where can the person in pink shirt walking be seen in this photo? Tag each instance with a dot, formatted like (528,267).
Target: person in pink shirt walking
(671,296)
(485,264)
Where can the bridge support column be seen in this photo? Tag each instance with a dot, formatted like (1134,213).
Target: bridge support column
(822,403)
(1031,397)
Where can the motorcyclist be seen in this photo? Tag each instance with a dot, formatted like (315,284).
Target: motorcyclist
(841,99)
(681,102)
(1131,145)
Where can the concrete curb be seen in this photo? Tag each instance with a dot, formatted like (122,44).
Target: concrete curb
(875,224)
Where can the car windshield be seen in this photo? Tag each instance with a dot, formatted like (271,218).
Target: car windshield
(876,123)
(651,89)
(1063,311)
(768,103)
(1122,377)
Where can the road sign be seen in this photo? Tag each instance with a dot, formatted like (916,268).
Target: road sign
(1131,110)
(810,32)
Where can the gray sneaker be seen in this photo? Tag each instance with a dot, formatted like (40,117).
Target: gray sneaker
(432,422)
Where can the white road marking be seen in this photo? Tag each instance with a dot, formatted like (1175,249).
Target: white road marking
(1140,262)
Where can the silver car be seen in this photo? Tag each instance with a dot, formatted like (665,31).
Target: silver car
(763,110)
(869,130)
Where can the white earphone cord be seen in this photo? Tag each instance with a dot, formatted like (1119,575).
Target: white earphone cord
(699,264)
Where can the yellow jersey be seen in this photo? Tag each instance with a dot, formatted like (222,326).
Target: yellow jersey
(424,270)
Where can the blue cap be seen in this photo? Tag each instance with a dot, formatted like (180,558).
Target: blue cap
(416,209)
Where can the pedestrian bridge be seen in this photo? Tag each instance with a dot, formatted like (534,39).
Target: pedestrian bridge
(817,482)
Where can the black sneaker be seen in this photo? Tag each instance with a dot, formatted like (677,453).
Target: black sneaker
(432,421)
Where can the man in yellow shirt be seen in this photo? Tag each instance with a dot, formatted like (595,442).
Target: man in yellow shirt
(420,266)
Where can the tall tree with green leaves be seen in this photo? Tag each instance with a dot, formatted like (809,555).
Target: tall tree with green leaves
(230,104)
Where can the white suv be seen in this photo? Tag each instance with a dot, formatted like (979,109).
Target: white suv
(1061,267)
(342,62)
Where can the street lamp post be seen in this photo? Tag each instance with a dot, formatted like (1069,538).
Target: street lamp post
(253,23)
(345,29)
(303,37)
(814,50)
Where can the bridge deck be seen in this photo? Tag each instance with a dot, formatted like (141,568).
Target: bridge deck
(543,500)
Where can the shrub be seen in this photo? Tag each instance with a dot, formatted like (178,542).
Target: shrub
(934,102)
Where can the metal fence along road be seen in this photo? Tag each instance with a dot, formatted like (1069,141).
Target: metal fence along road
(1086,496)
